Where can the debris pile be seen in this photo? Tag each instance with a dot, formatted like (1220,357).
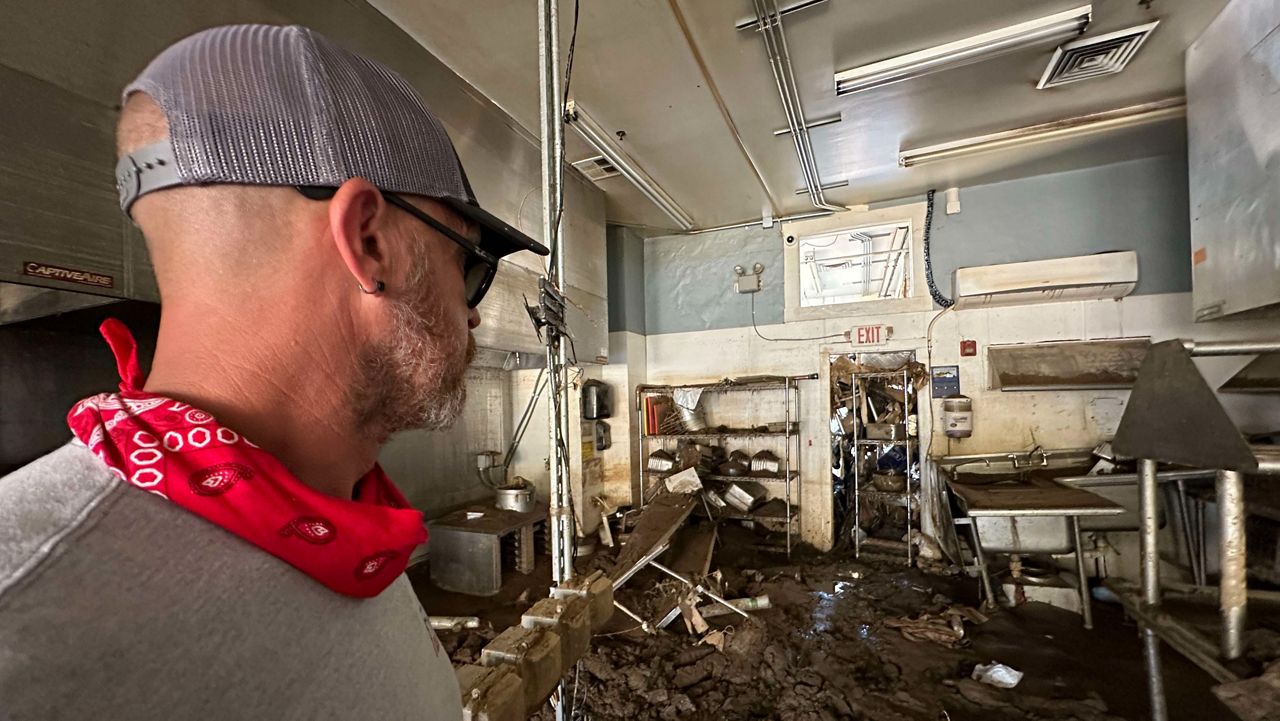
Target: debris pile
(832,644)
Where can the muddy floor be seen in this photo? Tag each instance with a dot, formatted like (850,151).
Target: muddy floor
(832,646)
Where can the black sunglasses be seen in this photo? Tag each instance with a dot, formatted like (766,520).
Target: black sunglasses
(478,269)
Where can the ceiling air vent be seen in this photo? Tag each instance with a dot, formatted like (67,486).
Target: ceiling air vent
(597,168)
(1094,56)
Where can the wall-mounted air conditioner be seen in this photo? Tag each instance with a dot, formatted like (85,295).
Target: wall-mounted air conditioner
(1086,277)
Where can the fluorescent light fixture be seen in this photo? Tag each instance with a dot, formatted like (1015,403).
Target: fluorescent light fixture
(598,138)
(1049,29)
(1056,130)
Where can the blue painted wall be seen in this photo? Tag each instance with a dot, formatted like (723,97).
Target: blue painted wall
(689,280)
(625,257)
(1137,205)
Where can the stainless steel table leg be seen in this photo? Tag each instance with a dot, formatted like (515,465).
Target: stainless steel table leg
(1201,542)
(1155,677)
(981,560)
(1232,587)
(1086,602)
(1150,563)
(1184,524)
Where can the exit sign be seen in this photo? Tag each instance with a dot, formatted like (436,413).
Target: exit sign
(869,334)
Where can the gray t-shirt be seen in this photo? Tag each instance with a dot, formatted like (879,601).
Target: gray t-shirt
(117,604)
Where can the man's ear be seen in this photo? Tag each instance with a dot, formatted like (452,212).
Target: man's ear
(358,223)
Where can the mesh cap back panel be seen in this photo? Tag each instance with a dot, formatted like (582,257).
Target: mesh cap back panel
(271,105)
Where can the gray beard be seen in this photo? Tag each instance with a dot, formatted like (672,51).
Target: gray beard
(415,379)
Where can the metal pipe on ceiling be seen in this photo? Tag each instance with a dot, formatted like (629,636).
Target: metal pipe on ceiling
(775,42)
(772,51)
(754,23)
(719,100)
(761,222)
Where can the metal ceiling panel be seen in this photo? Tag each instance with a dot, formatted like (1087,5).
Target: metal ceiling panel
(634,71)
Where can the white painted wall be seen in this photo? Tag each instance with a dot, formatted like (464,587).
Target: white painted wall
(1003,421)
(622,462)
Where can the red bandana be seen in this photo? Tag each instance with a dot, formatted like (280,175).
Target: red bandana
(181,453)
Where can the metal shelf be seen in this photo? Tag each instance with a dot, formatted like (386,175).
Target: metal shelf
(732,479)
(883,374)
(776,383)
(765,513)
(908,499)
(781,509)
(727,434)
(897,498)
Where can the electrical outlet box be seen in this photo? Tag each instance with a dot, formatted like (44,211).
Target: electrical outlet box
(749,283)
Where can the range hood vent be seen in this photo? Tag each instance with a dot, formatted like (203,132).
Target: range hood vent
(1094,56)
(1087,277)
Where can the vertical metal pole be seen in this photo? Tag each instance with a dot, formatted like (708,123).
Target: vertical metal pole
(980,558)
(1232,549)
(786,466)
(1086,602)
(552,156)
(552,162)
(857,470)
(1150,553)
(906,447)
(1195,507)
(1184,527)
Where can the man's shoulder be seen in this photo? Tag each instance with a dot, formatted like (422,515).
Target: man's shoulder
(46,502)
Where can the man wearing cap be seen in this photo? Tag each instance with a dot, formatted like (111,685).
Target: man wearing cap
(217,540)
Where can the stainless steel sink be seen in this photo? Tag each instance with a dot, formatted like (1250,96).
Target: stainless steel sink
(1039,534)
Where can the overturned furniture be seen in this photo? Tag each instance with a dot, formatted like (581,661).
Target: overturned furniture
(658,524)
(1174,417)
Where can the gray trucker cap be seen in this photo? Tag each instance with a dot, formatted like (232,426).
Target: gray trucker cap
(275,105)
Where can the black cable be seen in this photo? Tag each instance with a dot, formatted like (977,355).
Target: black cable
(783,340)
(937,295)
(568,69)
(564,106)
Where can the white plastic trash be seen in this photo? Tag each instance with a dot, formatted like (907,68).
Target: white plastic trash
(997,674)
(685,481)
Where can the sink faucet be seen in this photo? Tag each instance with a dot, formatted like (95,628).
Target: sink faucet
(1044,457)
(985,461)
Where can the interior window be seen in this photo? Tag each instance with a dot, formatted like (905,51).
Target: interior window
(868,263)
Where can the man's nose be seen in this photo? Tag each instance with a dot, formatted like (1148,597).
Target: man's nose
(473,320)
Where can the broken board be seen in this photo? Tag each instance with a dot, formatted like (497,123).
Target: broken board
(658,523)
(691,549)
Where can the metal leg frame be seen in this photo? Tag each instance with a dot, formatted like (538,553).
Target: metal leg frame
(980,558)
(1232,587)
(1147,511)
(1086,602)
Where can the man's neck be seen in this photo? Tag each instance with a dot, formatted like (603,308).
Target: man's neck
(289,401)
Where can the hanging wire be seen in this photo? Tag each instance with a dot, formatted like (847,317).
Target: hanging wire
(937,295)
(783,340)
(564,104)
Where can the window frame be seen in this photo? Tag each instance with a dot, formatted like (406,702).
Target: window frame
(918,295)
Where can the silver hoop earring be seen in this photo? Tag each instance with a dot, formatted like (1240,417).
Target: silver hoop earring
(378,287)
